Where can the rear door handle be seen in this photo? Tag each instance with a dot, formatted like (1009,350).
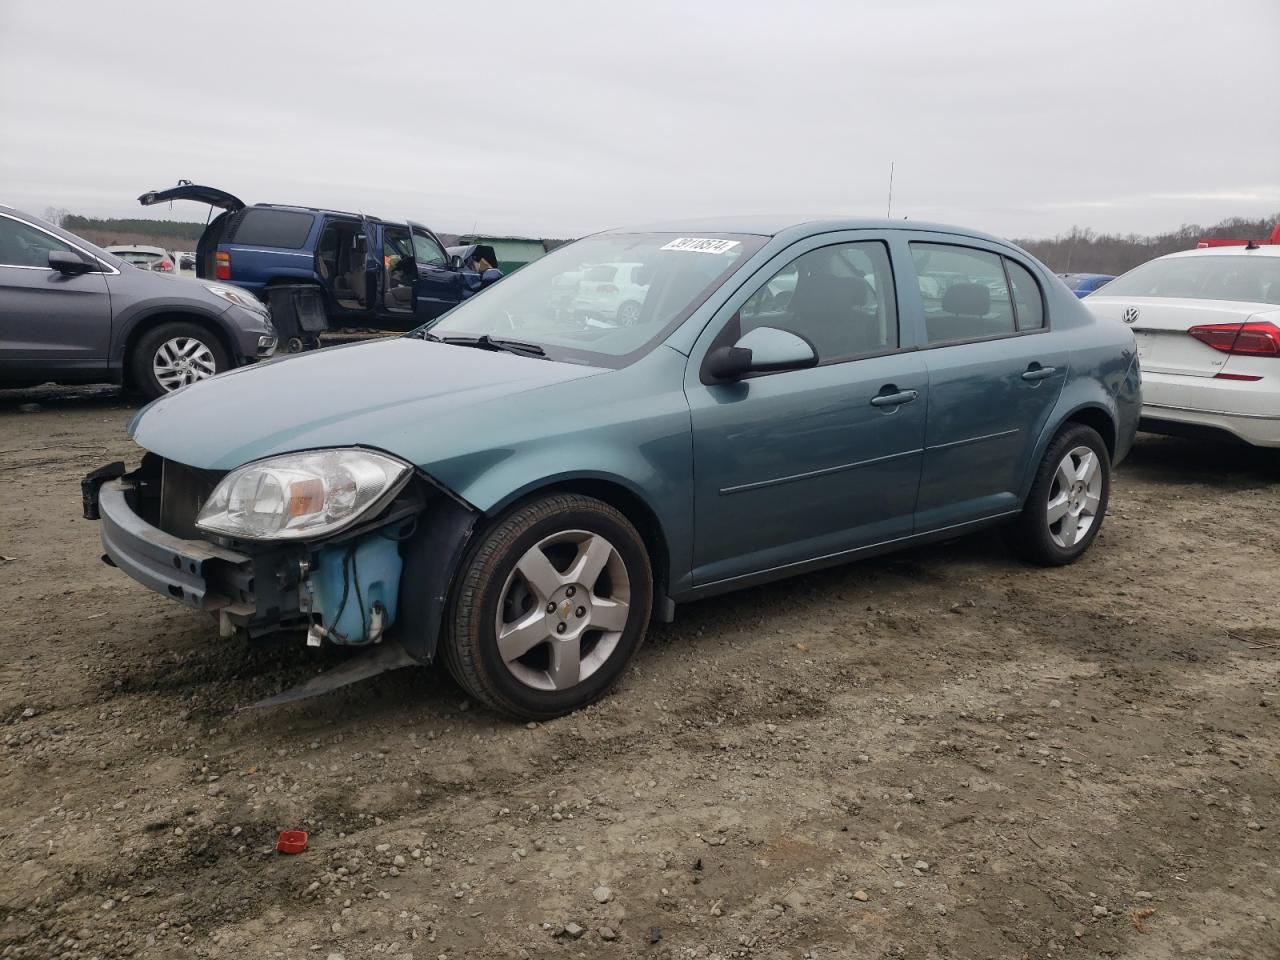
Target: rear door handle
(1036,372)
(894,399)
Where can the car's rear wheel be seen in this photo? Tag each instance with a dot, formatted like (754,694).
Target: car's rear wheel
(1068,500)
(173,355)
(551,603)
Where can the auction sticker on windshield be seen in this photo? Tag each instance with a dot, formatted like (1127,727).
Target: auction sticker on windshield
(701,245)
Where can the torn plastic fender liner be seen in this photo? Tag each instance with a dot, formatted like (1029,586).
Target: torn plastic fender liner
(431,560)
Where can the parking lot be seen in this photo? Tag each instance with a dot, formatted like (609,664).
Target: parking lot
(942,753)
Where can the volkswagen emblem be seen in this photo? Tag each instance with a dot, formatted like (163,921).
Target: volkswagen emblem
(1130,315)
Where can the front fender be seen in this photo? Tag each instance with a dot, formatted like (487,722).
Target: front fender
(631,432)
(127,323)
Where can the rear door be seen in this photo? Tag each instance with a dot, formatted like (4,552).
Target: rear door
(438,286)
(186,190)
(50,323)
(206,247)
(995,371)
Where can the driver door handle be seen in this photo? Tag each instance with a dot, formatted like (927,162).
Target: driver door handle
(894,399)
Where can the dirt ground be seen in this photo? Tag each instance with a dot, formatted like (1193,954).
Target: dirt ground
(937,754)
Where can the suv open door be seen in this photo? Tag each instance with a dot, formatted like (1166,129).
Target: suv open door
(186,190)
(206,269)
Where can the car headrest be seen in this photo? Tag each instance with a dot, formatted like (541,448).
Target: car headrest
(967,299)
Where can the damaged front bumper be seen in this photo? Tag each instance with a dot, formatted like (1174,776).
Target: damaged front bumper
(345,590)
(200,574)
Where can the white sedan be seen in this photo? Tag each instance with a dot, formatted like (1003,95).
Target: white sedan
(1208,328)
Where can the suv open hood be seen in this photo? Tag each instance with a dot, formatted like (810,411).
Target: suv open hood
(186,190)
(404,396)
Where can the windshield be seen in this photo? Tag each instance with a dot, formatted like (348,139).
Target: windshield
(605,299)
(1241,277)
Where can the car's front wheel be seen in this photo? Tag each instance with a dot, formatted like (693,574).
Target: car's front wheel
(551,603)
(628,314)
(173,355)
(1068,500)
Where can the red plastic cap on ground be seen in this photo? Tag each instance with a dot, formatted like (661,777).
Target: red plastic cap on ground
(292,841)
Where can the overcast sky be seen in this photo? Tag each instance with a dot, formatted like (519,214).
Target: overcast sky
(558,118)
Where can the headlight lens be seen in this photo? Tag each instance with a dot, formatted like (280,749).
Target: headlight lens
(300,495)
(241,298)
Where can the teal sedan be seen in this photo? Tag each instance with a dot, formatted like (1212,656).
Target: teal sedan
(519,490)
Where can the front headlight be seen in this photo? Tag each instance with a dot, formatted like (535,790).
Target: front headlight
(299,496)
(241,298)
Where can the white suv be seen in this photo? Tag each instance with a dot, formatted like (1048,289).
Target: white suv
(1207,323)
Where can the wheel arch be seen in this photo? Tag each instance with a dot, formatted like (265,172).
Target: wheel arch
(1098,418)
(1091,413)
(622,497)
(148,322)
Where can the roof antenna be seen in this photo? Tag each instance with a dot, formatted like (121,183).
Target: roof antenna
(1251,245)
(889,209)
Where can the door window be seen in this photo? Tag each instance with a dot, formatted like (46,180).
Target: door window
(426,250)
(839,298)
(22,245)
(1026,296)
(964,291)
(265,227)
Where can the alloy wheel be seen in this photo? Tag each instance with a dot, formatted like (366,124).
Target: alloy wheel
(1074,497)
(562,610)
(181,361)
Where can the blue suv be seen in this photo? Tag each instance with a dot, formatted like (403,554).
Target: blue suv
(337,269)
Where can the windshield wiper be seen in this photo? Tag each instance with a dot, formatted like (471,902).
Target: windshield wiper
(486,342)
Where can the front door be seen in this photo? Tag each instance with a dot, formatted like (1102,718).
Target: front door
(995,372)
(806,464)
(51,324)
(438,286)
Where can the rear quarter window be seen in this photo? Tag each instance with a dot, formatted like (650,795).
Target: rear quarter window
(261,227)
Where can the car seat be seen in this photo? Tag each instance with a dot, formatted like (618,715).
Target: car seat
(829,311)
(355,278)
(963,307)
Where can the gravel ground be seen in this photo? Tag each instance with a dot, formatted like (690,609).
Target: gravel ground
(938,754)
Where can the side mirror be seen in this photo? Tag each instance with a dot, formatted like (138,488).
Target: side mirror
(762,350)
(68,263)
(455,262)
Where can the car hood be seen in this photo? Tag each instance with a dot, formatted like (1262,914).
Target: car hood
(384,394)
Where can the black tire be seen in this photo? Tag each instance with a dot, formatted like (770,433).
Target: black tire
(1032,536)
(141,363)
(470,644)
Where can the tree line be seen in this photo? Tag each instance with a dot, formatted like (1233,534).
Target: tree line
(178,233)
(1082,250)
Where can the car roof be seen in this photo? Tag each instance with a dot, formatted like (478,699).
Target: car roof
(324,210)
(1262,250)
(136,247)
(770,225)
